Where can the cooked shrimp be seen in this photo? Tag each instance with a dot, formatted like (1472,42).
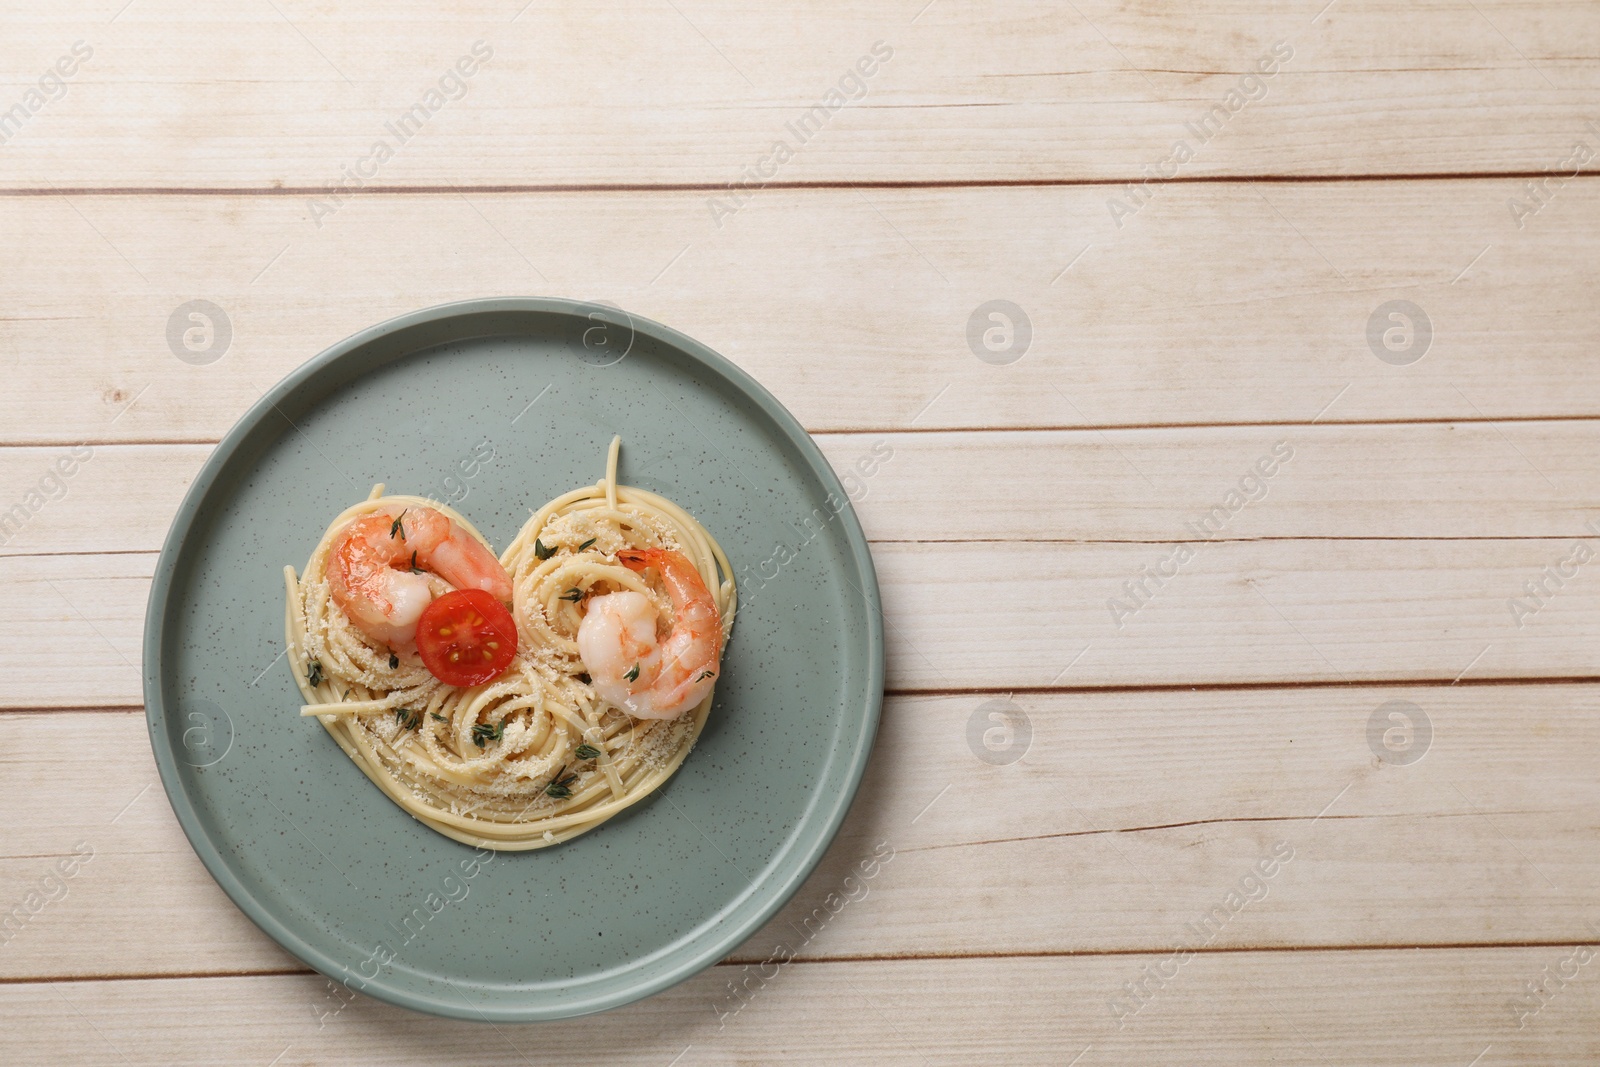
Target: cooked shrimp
(633,669)
(370,569)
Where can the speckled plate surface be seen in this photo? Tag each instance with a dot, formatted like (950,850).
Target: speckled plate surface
(348,882)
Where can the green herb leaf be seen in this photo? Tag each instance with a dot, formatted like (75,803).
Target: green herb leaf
(541,552)
(587,543)
(588,752)
(572,595)
(314,673)
(633,675)
(408,719)
(703,677)
(394,661)
(396,528)
(485,732)
(437,717)
(414,568)
(560,787)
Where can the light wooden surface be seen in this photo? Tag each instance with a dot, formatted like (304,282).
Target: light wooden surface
(1173,741)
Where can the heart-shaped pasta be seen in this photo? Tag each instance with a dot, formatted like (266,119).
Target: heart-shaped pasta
(621,605)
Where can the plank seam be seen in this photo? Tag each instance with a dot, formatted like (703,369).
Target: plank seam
(1441,682)
(422,189)
(888,957)
(1442,420)
(1343,539)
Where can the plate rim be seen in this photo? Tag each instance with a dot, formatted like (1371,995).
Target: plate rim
(717,939)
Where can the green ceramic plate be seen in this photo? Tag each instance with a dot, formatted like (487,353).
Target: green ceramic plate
(348,882)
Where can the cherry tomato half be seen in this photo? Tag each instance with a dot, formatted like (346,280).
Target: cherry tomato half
(466,637)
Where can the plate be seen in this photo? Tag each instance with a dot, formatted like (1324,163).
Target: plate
(348,882)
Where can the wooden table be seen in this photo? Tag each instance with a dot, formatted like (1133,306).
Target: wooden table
(1238,567)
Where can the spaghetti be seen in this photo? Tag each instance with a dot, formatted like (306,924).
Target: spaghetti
(535,756)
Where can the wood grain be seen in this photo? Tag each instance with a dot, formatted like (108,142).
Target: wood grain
(1001,616)
(1430,482)
(287,95)
(1381,1009)
(1179,331)
(1216,303)
(1068,849)
(1376,552)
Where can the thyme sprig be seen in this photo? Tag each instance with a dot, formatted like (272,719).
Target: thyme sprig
(485,732)
(560,787)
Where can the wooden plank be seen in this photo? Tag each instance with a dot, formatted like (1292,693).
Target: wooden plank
(1069,848)
(77,631)
(92,498)
(1004,615)
(85,614)
(133,879)
(1530,479)
(1382,1009)
(1080,845)
(297,96)
(865,329)
(1450,480)
(1021,615)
